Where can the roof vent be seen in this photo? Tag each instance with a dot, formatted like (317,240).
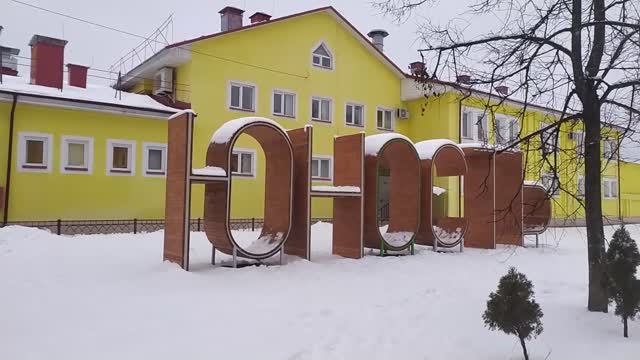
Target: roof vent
(259,17)
(230,18)
(8,61)
(377,38)
(77,75)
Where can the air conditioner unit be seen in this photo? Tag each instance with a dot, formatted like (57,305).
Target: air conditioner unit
(402,114)
(163,81)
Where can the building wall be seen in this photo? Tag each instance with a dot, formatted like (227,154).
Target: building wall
(57,195)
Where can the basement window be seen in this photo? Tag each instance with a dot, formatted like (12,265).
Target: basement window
(34,152)
(155,159)
(120,157)
(322,58)
(77,155)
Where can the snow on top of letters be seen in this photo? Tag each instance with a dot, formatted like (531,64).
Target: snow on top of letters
(426,149)
(228,129)
(182,112)
(209,171)
(373,143)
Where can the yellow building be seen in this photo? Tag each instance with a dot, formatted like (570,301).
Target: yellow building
(311,68)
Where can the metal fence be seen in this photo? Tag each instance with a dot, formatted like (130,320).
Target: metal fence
(73,227)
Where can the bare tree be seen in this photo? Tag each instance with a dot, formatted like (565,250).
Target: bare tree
(581,57)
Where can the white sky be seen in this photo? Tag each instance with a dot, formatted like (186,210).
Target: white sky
(99,48)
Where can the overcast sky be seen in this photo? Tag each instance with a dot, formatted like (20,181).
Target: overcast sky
(99,48)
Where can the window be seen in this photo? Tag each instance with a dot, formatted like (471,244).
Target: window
(243,162)
(120,157)
(77,155)
(610,147)
(34,152)
(578,138)
(580,187)
(354,114)
(507,129)
(548,139)
(321,168)
(321,109)
(155,159)
(610,188)
(284,103)
(550,182)
(384,119)
(242,97)
(321,57)
(473,125)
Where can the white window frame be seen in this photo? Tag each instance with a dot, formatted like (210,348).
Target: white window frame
(610,181)
(331,57)
(145,159)
(474,136)
(65,168)
(550,187)
(283,93)
(580,189)
(513,129)
(354,105)
(393,118)
(548,143)
(254,159)
(131,144)
(322,158)
(321,99)
(47,148)
(579,143)
(610,149)
(254,107)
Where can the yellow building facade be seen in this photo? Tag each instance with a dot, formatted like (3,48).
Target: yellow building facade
(312,68)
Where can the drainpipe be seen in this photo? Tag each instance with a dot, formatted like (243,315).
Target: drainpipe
(619,191)
(9,160)
(459,142)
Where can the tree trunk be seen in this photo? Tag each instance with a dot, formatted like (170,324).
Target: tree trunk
(598,299)
(626,328)
(524,348)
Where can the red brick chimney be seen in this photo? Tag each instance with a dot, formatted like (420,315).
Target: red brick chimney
(259,17)
(416,68)
(77,75)
(502,89)
(463,79)
(230,18)
(47,61)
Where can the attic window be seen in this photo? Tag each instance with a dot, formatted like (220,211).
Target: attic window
(322,57)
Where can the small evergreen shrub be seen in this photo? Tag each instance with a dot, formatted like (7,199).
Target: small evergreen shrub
(513,309)
(624,289)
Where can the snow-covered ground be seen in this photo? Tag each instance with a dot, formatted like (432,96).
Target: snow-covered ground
(111,297)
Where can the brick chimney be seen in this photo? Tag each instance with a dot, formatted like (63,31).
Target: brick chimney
(230,18)
(502,89)
(377,38)
(463,79)
(416,68)
(259,17)
(8,61)
(77,75)
(47,61)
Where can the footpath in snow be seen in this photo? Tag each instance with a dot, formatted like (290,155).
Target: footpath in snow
(111,297)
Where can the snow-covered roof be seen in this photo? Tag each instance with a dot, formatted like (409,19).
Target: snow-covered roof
(94,94)
(426,149)
(228,129)
(373,143)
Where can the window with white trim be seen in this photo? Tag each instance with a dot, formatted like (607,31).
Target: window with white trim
(35,152)
(321,57)
(473,125)
(321,168)
(121,157)
(507,129)
(610,149)
(321,109)
(354,114)
(550,142)
(155,159)
(578,139)
(580,187)
(242,96)
(284,103)
(550,182)
(610,187)
(384,119)
(243,162)
(77,155)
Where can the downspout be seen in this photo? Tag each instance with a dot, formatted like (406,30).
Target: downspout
(619,191)
(7,191)
(460,142)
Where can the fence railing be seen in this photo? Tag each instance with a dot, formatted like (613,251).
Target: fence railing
(73,227)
